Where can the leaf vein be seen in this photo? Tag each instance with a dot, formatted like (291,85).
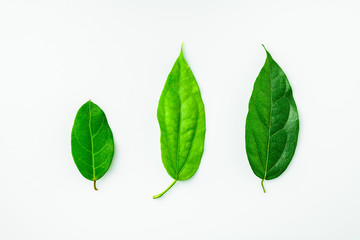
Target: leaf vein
(272,134)
(84,162)
(257,148)
(92,142)
(191,145)
(178,141)
(102,125)
(271,105)
(101,165)
(103,147)
(280,155)
(78,140)
(257,112)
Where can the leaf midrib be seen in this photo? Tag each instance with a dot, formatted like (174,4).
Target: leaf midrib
(178,141)
(92,142)
(271,106)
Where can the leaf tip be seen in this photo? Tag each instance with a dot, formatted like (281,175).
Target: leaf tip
(264,47)
(268,55)
(181,50)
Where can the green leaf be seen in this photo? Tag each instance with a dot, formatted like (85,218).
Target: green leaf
(181,117)
(272,123)
(92,143)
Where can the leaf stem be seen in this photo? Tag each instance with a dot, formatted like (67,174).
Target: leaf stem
(159,195)
(262,184)
(95,185)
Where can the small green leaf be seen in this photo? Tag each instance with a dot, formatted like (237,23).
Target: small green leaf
(272,123)
(181,117)
(92,143)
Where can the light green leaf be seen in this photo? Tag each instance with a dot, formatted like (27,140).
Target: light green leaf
(92,143)
(181,117)
(272,123)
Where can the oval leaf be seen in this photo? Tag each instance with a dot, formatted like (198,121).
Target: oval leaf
(92,143)
(272,123)
(181,117)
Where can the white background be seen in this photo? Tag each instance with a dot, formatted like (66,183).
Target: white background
(56,55)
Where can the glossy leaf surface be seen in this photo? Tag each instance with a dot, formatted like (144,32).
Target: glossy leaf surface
(272,123)
(92,143)
(181,117)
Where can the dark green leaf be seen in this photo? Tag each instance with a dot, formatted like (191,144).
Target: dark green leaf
(272,123)
(92,143)
(181,117)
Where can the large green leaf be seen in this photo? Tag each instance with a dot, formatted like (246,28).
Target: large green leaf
(92,143)
(272,123)
(181,117)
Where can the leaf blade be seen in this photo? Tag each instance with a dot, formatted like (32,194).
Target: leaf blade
(272,123)
(181,117)
(92,143)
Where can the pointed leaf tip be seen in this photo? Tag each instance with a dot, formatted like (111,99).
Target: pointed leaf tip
(268,55)
(264,47)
